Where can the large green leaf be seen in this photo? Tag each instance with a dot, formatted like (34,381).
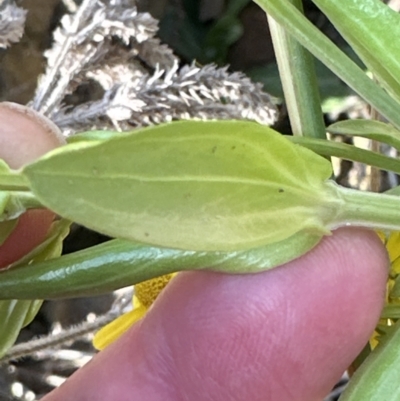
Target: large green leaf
(190,185)
(370,27)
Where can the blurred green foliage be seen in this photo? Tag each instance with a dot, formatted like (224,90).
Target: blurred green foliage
(195,39)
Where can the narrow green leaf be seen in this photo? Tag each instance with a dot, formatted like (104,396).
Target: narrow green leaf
(299,82)
(16,314)
(378,377)
(391,311)
(189,185)
(395,291)
(349,152)
(322,48)
(371,129)
(32,311)
(369,26)
(120,263)
(12,317)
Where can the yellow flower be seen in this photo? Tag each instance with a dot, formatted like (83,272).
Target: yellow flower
(145,294)
(392,244)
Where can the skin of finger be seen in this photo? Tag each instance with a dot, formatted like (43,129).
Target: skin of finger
(24,136)
(30,231)
(286,334)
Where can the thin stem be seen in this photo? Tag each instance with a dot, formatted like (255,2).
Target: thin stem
(299,82)
(368,209)
(72,333)
(13,182)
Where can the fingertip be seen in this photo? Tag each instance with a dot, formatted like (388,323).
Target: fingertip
(29,232)
(280,335)
(306,320)
(25,134)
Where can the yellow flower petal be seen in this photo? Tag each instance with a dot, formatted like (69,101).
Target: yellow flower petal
(145,294)
(117,327)
(393,245)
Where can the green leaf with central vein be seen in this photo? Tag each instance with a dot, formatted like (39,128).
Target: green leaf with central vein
(189,185)
(369,26)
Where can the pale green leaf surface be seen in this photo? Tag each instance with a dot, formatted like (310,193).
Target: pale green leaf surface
(370,27)
(371,129)
(99,135)
(189,185)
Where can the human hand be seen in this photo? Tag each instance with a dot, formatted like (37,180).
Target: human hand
(286,334)
(24,136)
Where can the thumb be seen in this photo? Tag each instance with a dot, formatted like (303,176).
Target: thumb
(283,335)
(24,136)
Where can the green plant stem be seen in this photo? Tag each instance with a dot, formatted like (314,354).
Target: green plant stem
(368,209)
(13,182)
(299,82)
(321,47)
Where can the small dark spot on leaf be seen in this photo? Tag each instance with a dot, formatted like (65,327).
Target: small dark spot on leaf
(280,190)
(187,195)
(233,147)
(146,234)
(213,150)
